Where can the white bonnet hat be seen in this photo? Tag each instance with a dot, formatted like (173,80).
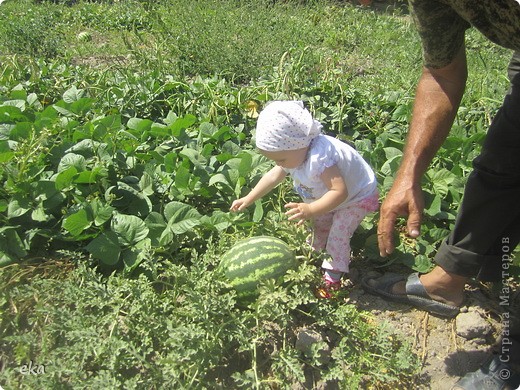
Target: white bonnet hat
(285,125)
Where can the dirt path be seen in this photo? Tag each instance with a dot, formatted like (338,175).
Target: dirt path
(448,348)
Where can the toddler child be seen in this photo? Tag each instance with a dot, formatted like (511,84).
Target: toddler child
(337,186)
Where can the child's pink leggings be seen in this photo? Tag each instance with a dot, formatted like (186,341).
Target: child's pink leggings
(333,231)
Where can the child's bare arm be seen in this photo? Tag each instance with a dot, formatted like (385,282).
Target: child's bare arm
(334,197)
(269,181)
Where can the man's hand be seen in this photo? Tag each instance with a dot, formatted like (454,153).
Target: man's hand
(400,201)
(298,212)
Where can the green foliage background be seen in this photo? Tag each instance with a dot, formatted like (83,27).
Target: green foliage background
(125,134)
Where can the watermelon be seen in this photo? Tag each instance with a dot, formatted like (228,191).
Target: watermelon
(255,259)
(84,36)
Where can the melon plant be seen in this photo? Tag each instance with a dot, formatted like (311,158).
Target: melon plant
(256,259)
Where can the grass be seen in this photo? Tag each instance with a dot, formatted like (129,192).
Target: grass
(370,51)
(176,328)
(174,324)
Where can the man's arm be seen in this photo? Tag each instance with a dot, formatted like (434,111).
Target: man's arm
(437,100)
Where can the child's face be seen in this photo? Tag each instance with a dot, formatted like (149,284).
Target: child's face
(287,158)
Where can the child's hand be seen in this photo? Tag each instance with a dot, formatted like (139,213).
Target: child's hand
(298,211)
(239,204)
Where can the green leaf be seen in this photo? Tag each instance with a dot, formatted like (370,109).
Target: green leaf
(76,223)
(72,160)
(39,214)
(6,157)
(166,237)
(146,184)
(181,217)
(22,131)
(48,114)
(134,256)
(124,197)
(419,263)
(182,178)
(156,225)
(81,106)
(101,212)
(86,147)
(434,207)
(182,123)
(219,220)
(233,177)
(19,94)
(6,153)
(246,164)
(6,258)
(51,196)
(105,247)
(72,94)
(218,178)
(258,214)
(62,110)
(372,248)
(207,150)
(207,129)
(438,234)
(390,166)
(18,206)
(64,178)
(90,177)
(129,228)
(131,258)
(441,179)
(223,133)
(11,114)
(106,125)
(15,103)
(32,99)
(391,152)
(140,125)
(158,130)
(401,113)
(170,118)
(194,156)
(170,162)
(14,243)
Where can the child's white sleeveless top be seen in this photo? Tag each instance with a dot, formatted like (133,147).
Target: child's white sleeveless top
(324,152)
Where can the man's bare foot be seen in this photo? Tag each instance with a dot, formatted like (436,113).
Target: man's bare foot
(440,286)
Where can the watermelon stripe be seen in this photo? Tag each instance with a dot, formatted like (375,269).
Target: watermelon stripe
(254,269)
(273,272)
(259,257)
(238,250)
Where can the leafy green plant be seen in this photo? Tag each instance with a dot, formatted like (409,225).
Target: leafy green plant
(31,30)
(125,190)
(178,326)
